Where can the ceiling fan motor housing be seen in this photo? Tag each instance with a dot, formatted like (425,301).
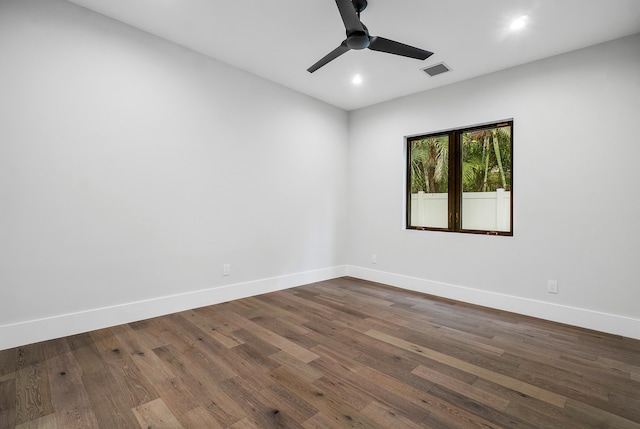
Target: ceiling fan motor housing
(358,40)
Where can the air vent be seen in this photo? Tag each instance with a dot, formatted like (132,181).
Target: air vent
(436,69)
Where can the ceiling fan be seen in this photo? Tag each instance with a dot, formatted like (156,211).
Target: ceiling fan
(358,37)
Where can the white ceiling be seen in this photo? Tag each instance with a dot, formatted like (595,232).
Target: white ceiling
(280,39)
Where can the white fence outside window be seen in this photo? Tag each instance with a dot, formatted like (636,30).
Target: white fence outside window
(490,211)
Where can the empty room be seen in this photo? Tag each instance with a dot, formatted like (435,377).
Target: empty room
(326,214)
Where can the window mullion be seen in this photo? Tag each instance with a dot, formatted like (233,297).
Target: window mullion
(455,167)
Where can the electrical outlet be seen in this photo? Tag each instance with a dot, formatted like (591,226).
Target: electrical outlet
(374,259)
(226,269)
(552,286)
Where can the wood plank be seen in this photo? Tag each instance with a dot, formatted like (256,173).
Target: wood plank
(305,371)
(527,411)
(206,354)
(379,390)
(208,394)
(504,380)
(260,409)
(245,424)
(470,391)
(155,414)
(255,350)
(348,393)
(437,410)
(286,328)
(140,349)
(600,418)
(473,342)
(33,395)
(282,343)
(161,331)
(214,328)
(131,382)
(387,417)
(176,395)
(199,418)
(30,355)
(86,353)
(324,401)
(111,408)
(8,361)
(8,403)
(320,421)
(69,397)
(287,402)
(538,416)
(45,422)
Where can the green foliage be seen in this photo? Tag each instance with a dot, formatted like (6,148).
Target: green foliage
(430,164)
(486,159)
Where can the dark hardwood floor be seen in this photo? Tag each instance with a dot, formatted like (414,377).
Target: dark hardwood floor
(343,353)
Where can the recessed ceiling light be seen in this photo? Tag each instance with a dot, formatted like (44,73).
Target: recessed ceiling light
(357,79)
(519,23)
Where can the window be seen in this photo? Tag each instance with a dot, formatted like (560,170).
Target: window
(461,180)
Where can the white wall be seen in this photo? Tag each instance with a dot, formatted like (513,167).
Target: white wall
(575,136)
(131,169)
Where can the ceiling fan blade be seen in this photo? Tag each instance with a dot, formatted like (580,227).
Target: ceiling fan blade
(349,16)
(330,57)
(391,47)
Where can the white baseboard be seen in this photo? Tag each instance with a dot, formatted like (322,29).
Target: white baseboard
(598,321)
(32,331)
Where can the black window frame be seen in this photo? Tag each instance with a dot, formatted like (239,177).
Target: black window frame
(455,179)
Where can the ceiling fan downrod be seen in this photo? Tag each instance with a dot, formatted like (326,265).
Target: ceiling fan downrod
(359,6)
